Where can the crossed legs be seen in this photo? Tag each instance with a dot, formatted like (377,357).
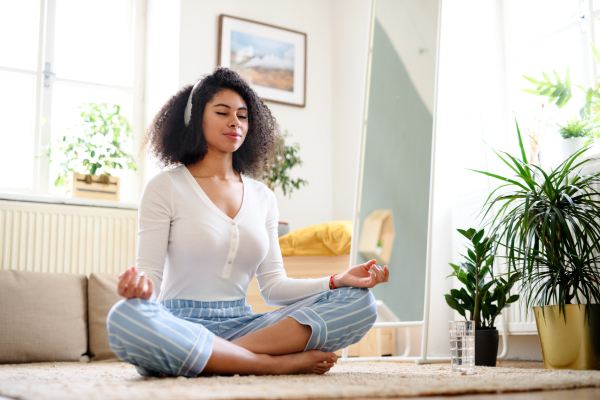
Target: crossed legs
(149,336)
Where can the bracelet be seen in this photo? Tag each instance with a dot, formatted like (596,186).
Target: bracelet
(331,285)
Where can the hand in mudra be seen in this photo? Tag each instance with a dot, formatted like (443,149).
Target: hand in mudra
(365,275)
(135,284)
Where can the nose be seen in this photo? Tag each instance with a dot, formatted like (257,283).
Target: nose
(235,123)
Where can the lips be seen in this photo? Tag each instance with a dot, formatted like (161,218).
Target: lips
(233,136)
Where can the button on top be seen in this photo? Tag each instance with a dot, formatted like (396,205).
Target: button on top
(229,262)
(233,250)
(232,222)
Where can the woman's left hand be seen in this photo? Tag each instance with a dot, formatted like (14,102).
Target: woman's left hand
(365,275)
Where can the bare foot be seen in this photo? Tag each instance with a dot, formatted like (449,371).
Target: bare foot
(308,362)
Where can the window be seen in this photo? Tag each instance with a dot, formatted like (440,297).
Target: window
(548,35)
(61,54)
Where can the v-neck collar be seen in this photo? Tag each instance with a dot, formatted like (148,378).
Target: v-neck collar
(198,189)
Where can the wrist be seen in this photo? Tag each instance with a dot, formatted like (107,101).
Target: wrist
(337,281)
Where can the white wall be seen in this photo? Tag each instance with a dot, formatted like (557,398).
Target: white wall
(350,24)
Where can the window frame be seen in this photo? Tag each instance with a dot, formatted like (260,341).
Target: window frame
(39,179)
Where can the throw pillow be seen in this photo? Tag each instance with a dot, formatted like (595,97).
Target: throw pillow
(102,295)
(43,317)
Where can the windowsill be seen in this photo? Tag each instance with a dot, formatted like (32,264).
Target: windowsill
(34,198)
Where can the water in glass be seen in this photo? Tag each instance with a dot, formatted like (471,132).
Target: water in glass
(462,345)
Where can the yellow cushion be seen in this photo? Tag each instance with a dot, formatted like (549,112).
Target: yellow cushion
(327,239)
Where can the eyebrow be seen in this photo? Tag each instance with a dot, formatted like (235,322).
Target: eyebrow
(225,105)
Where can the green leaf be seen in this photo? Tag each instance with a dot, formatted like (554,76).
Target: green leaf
(455,267)
(523,155)
(534,81)
(454,304)
(478,236)
(472,255)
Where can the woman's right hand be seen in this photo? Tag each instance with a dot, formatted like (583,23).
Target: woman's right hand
(134,284)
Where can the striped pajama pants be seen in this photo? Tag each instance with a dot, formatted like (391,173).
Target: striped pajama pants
(175,337)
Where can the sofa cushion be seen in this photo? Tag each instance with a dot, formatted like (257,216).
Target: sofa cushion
(102,295)
(43,317)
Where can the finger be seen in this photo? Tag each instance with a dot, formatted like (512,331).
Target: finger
(387,273)
(130,289)
(373,278)
(124,281)
(150,289)
(367,266)
(139,288)
(377,271)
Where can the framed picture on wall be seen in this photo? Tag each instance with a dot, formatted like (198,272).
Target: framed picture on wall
(270,58)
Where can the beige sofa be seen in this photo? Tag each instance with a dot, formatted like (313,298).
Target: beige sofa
(55,317)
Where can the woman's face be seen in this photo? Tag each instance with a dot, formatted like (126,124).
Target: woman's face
(225,121)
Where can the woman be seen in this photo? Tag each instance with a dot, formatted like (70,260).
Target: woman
(205,229)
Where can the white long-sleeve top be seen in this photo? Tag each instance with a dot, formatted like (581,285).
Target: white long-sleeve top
(194,251)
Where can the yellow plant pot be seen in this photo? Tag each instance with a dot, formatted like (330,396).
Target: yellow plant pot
(571,345)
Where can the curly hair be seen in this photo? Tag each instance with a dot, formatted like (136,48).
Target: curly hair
(171,143)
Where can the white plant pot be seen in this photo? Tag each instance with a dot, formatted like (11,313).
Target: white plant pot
(572,145)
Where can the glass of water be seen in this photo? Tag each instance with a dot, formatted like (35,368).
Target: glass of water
(462,345)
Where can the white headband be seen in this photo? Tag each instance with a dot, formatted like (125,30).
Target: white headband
(187,114)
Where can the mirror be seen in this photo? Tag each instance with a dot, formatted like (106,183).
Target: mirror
(395,171)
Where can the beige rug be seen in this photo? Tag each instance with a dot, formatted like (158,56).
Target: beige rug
(112,381)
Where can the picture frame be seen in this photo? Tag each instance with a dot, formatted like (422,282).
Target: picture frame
(270,58)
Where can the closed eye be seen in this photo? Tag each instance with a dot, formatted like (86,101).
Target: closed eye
(239,116)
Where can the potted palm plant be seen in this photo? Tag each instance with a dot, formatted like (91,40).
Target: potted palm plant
(548,223)
(481,297)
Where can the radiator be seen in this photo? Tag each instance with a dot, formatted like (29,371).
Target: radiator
(60,238)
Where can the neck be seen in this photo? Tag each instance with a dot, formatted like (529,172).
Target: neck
(215,164)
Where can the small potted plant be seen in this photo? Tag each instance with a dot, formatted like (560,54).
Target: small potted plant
(481,297)
(92,152)
(286,158)
(575,134)
(548,223)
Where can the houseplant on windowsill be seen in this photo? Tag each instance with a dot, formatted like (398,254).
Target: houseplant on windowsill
(548,224)
(484,301)
(277,174)
(576,133)
(93,150)
(560,93)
